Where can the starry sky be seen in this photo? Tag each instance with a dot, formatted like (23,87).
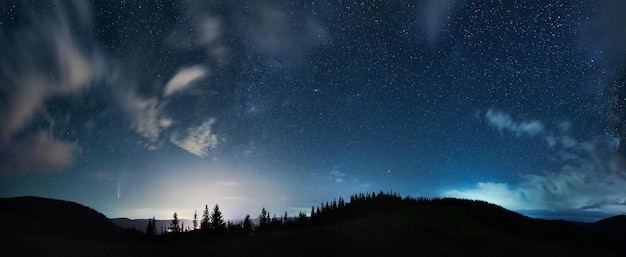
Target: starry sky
(143,108)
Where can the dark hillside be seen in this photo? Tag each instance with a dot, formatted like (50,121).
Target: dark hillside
(496,218)
(369,225)
(48,217)
(613,227)
(410,230)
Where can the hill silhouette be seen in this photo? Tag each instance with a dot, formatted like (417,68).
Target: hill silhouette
(38,216)
(368,225)
(613,227)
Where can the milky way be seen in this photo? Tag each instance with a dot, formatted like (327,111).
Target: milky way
(286,104)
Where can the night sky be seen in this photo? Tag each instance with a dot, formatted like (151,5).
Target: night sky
(144,108)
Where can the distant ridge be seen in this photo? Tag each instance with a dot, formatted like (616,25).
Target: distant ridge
(141,224)
(613,227)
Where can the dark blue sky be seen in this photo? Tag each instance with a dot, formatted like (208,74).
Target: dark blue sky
(143,108)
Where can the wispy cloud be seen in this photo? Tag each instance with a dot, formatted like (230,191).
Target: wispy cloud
(433,16)
(197,140)
(21,109)
(184,78)
(337,176)
(40,153)
(146,117)
(45,40)
(592,183)
(273,32)
(591,177)
(503,122)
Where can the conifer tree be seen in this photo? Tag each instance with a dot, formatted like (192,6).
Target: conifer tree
(342,203)
(302,217)
(174,226)
(264,218)
(195,220)
(151,228)
(247,224)
(205,222)
(217,221)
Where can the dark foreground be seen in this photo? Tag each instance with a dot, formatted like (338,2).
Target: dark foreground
(452,228)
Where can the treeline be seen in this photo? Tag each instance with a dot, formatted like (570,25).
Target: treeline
(359,205)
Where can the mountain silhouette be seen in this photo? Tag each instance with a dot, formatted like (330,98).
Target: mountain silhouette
(613,227)
(380,225)
(49,217)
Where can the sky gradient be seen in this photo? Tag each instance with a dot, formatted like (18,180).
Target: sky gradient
(143,108)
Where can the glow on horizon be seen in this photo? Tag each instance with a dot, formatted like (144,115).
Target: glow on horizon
(237,192)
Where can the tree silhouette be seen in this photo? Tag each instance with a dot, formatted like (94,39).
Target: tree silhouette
(174,226)
(217,221)
(247,224)
(264,218)
(204,223)
(302,217)
(195,220)
(151,228)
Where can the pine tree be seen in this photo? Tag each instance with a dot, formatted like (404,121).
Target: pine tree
(342,203)
(247,224)
(302,217)
(264,218)
(174,226)
(217,221)
(205,222)
(195,220)
(275,220)
(151,228)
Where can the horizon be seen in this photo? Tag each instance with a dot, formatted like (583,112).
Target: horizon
(576,216)
(143,109)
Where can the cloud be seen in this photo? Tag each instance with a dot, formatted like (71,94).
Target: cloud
(39,153)
(184,78)
(503,122)
(433,16)
(146,117)
(591,177)
(498,193)
(197,140)
(42,59)
(275,33)
(21,109)
(207,32)
(337,176)
(591,183)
